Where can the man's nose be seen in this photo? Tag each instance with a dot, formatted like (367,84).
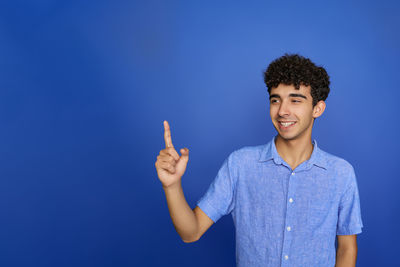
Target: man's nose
(283,109)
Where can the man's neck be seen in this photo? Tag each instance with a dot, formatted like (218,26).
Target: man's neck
(294,152)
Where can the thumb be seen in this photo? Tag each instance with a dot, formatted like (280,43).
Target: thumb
(185,153)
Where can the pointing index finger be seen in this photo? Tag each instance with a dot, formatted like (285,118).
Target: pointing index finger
(167,135)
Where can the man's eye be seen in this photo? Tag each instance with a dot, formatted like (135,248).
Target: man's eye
(274,101)
(296,101)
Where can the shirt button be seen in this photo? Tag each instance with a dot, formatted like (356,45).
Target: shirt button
(292,173)
(290,200)
(288,228)
(286,257)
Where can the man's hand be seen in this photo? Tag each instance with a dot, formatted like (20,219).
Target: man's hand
(170,166)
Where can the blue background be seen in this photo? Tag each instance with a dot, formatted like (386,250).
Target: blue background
(86,85)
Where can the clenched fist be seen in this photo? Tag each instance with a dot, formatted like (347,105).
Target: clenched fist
(170,166)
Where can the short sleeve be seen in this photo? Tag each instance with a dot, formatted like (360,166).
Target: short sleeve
(219,198)
(349,220)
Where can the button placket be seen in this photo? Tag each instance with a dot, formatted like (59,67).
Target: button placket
(289,211)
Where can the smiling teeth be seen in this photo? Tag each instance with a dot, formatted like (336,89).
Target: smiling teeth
(286,124)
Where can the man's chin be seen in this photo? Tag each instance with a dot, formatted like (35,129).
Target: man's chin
(286,137)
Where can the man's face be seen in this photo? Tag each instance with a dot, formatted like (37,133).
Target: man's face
(291,111)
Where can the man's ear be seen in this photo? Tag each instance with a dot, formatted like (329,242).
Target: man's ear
(319,108)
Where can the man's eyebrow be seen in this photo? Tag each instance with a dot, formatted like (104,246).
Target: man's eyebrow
(274,95)
(290,95)
(298,95)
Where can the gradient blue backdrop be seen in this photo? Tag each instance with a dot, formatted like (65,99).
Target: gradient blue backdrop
(86,85)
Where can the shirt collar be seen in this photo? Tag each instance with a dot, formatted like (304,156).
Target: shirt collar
(269,152)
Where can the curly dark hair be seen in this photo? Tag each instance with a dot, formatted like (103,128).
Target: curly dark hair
(293,69)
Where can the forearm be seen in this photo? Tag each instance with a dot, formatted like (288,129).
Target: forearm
(182,215)
(346,257)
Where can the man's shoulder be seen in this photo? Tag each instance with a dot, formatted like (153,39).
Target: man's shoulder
(247,152)
(336,163)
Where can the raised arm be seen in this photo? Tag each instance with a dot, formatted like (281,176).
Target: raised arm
(190,224)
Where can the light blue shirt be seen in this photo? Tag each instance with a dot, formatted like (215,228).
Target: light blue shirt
(285,217)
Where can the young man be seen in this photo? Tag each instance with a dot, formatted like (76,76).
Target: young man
(288,198)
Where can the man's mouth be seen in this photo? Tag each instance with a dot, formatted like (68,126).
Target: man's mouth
(286,124)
